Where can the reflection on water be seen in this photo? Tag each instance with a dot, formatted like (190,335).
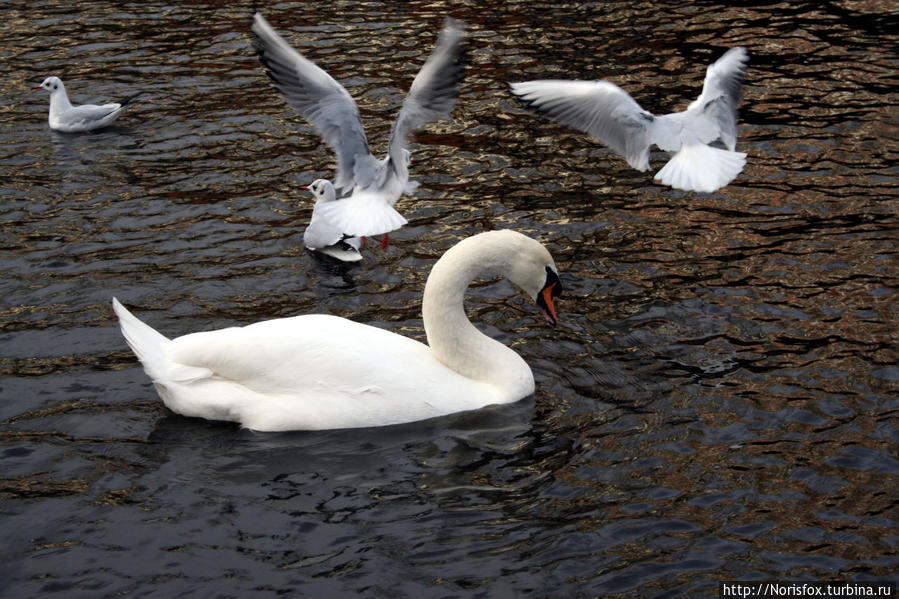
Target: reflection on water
(719,402)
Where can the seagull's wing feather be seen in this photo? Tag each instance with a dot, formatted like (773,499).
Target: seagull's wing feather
(89,114)
(721,93)
(317,97)
(433,92)
(320,233)
(599,108)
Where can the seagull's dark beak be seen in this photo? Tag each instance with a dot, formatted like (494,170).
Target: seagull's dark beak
(36,87)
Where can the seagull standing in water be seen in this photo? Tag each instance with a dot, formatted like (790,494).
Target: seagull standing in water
(321,236)
(367,187)
(74,119)
(609,114)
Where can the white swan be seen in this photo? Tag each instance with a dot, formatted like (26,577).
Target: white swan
(321,235)
(372,186)
(609,114)
(73,119)
(324,372)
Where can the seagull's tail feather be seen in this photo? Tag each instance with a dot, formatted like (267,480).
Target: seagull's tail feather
(351,243)
(344,254)
(701,168)
(128,100)
(362,216)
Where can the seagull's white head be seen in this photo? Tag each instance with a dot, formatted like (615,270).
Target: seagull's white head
(52,84)
(322,189)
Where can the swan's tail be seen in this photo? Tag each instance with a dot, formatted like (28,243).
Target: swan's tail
(146,343)
(362,216)
(701,168)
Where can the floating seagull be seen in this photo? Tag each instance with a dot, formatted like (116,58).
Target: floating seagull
(371,186)
(319,371)
(86,117)
(609,114)
(322,236)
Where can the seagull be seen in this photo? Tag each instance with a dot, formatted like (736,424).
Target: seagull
(86,117)
(609,114)
(322,236)
(371,187)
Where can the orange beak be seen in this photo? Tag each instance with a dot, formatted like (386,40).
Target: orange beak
(549,305)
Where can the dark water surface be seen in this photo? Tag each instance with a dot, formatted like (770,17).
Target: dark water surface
(719,402)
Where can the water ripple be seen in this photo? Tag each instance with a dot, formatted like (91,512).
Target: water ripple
(718,403)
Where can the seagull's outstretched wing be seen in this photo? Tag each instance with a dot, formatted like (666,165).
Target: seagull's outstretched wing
(721,93)
(433,92)
(600,108)
(318,98)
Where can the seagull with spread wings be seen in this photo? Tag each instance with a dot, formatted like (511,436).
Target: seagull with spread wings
(611,115)
(367,188)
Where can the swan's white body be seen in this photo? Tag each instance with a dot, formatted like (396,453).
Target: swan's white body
(67,118)
(324,372)
(609,114)
(373,186)
(321,236)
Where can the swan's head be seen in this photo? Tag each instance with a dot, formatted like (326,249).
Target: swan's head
(503,253)
(535,272)
(322,189)
(51,84)
(531,267)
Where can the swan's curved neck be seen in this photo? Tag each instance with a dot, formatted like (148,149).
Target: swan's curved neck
(452,337)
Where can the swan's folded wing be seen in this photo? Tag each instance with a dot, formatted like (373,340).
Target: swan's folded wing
(317,97)
(288,355)
(433,92)
(721,93)
(599,108)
